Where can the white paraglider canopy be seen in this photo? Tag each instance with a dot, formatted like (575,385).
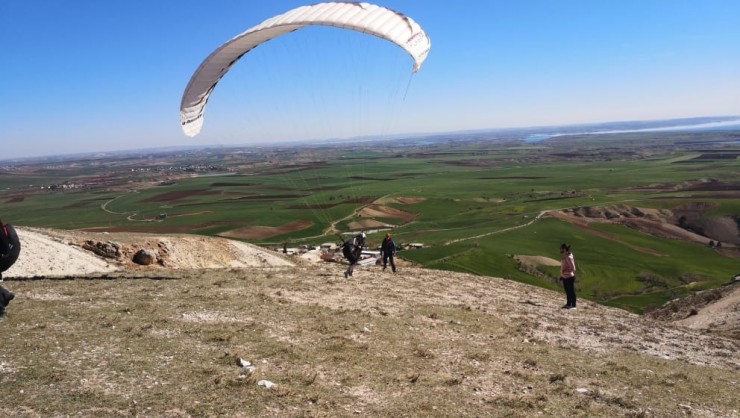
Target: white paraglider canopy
(362,17)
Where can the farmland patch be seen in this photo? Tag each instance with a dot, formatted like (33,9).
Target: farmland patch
(15,199)
(382,211)
(366,224)
(261,232)
(158,227)
(536,260)
(410,200)
(177,195)
(684,222)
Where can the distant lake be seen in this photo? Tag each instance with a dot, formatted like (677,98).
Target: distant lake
(713,126)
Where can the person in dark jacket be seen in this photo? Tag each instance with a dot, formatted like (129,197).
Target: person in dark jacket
(352,249)
(10,247)
(387,250)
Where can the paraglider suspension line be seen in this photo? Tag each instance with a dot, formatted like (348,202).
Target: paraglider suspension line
(408,85)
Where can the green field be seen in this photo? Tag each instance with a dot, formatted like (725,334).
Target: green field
(475,203)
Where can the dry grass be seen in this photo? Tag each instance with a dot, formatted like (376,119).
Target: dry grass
(419,343)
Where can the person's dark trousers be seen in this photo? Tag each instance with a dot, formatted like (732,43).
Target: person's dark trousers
(570,291)
(5,298)
(386,259)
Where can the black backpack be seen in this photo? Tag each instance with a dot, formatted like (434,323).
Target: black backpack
(348,250)
(10,246)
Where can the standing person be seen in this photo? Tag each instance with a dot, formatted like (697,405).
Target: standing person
(387,250)
(10,248)
(568,275)
(352,249)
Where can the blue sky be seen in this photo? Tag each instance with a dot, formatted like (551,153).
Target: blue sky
(95,75)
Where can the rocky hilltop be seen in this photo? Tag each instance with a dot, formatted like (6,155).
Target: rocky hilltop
(224,317)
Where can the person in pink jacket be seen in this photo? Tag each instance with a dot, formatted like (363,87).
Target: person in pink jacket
(568,275)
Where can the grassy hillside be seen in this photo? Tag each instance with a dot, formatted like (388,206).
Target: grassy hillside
(474,205)
(172,343)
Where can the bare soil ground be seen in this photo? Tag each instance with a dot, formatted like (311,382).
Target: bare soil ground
(716,311)
(57,253)
(262,232)
(537,260)
(116,339)
(652,220)
(409,200)
(366,224)
(660,223)
(380,209)
(383,211)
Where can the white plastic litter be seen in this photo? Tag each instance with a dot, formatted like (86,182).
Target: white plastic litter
(266,383)
(246,364)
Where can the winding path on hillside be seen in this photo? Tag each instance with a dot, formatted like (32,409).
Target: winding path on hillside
(582,225)
(511,228)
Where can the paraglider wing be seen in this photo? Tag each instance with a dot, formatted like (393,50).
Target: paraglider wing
(362,17)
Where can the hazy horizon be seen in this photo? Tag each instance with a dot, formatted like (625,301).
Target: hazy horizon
(524,133)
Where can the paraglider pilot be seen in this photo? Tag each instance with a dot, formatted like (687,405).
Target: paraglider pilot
(352,249)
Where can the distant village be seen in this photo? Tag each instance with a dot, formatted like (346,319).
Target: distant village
(174,169)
